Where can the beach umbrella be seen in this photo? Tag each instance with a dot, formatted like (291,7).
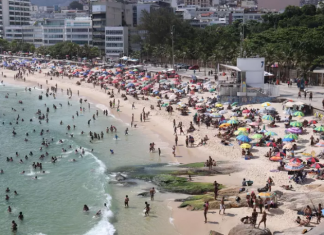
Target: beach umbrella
(275,159)
(319,129)
(242,129)
(294,166)
(270,108)
(291,136)
(224,125)
(257,136)
(296,124)
(241,133)
(232,122)
(268,118)
(299,114)
(271,144)
(266,104)
(226,103)
(245,146)
(287,146)
(223,111)
(218,105)
(246,111)
(266,194)
(312,122)
(271,133)
(215,115)
(320,144)
(243,138)
(234,104)
(295,159)
(295,130)
(287,139)
(317,165)
(248,120)
(312,159)
(280,154)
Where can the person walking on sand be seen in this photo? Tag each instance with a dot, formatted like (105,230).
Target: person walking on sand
(222,206)
(159,150)
(264,219)
(176,139)
(173,150)
(126,201)
(133,105)
(215,189)
(206,206)
(187,141)
(152,192)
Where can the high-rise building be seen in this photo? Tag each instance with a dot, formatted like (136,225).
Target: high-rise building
(14,12)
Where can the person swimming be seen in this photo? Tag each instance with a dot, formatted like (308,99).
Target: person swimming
(85,208)
(111,151)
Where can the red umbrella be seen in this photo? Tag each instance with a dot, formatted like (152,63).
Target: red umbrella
(317,165)
(312,159)
(275,158)
(246,111)
(312,122)
(271,144)
(295,159)
(280,154)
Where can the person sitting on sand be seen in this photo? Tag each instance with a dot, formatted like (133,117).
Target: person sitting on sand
(304,222)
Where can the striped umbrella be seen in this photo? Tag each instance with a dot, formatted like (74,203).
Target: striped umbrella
(268,118)
(319,144)
(241,133)
(295,159)
(299,114)
(317,165)
(280,154)
(312,159)
(319,128)
(271,144)
(275,159)
(295,130)
(257,136)
(294,166)
(291,136)
(271,133)
(232,122)
(243,138)
(215,115)
(296,124)
(265,104)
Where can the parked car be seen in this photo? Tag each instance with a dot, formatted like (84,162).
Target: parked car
(182,66)
(194,67)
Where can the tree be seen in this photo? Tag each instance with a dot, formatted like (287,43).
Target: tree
(75,5)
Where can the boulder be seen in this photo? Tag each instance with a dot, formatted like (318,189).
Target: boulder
(120,177)
(247,229)
(214,233)
(144,194)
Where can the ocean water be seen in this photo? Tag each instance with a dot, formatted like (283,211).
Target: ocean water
(53,203)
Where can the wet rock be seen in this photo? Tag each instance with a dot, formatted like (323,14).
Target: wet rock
(144,194)
(246,229)
(120,177)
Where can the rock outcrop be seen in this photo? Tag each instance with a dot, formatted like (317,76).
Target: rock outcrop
(247,229)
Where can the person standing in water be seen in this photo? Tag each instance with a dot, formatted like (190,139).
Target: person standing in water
(147,209)
(126,201)
(152,192)
(14,226)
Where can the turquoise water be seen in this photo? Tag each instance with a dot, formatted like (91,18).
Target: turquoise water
(53,203)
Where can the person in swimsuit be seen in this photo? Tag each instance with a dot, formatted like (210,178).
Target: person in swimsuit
(147,209)
(152,192)
(222,206)
(21,216)
(85,208)
(319,213)
(126,201)
(264,219)
(206,206)
(13,226)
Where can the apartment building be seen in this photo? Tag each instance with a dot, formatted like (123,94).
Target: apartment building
(116,41)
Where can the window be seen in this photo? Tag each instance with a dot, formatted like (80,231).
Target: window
(54,36)
(38,40)
(80,42)
(114,44)
(79,36)
(111,38)
(114,51)
(55,30)
(79,30)
(114,32)
(54,41)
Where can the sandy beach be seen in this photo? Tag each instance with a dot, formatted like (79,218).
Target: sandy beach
(258,169)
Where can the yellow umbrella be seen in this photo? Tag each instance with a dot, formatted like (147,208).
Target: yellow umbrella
(224,125)
(241,133)
(218,105)
(245,146)
(242,129)
(266,104)
(266,194)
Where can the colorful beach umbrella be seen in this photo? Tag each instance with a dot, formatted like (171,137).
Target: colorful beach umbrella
(224,125)
(291,136)
(266,104)
(296,124)
(266,194)
(245,146)
(241,133)
(268,118)
(257,136)
(234,104)
(280,154)
(299,114)
(287,139)
(317,165)
(294,166)
(270,133)
(320,144)
(242,129)
(295,130)
(246,111)
(218,105)
(276,159)
(313,122)
(319,129)
(271,144)
(232,122)
(295,159)
(312,159)
(243,138)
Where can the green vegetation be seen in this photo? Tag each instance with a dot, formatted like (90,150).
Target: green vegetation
(193,165)
(293,39)
(16,46)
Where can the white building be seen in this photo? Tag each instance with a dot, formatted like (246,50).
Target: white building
(52,31)
(14,12)
(116,42)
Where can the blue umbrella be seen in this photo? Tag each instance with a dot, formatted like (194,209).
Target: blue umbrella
(287,139)
(243,138)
